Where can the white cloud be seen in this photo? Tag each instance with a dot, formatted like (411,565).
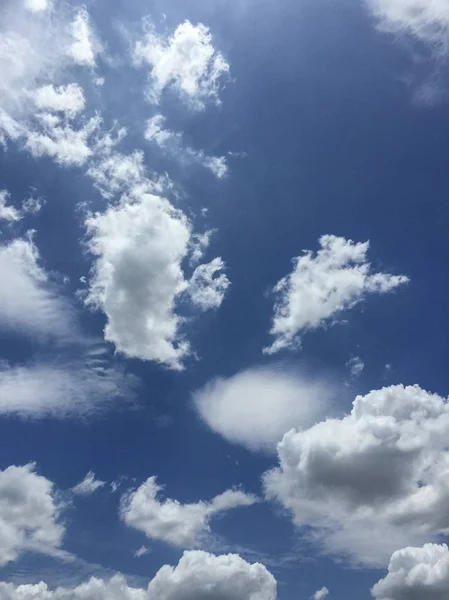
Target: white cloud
(88,485)
(321,594)
(257,406)
(68,99)
(29,514)
(82,48)
(28,299)
(59,140)
(37,52)
(169,520)
(426,20)
(208,285)
(68,388)
(172,144)
(372,481)
(199,243)
(321,287)
(137,277)
(186,62)
(197,575)
(8,212)
(141,552)
(355,365)
(79,380)
(416,573)
(37,5)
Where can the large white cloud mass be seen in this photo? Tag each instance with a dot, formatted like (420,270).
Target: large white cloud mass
(169,520)
(198,576)
(322,286)
(370,482)
(416,574)
(257,406)
(29,514)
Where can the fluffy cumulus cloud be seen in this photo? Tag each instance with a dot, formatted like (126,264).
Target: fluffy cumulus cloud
(185,62)
(427,21)
(169,520)
(138,279)
(257,406)
(29,514)
(322,286)
(415,574)
(88,485)
(197,575)
(138,276)
(370,482)
(171,143)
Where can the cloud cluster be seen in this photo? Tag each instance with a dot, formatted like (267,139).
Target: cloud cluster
(321,287)
(169,520)
(257,406)
(372,481)
(416,573)
(29,514)
(38,50)
(186,62)
(197,575)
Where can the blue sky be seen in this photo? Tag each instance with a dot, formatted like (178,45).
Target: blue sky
(223,323)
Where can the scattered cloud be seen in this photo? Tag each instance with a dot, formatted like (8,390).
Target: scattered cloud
(208,285)
(171,143)
(424,20)
(415,573)
(7,211)
(384,463)
(321,287)
(196,575)
(88,485)
(81,378)
(29,514)
(38,50)
(67,99)
(321,594)
(185,62)
(175,523)
(68,388)
(82,48)
(141,552)
(29,301)
(256,407)
(355,366)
